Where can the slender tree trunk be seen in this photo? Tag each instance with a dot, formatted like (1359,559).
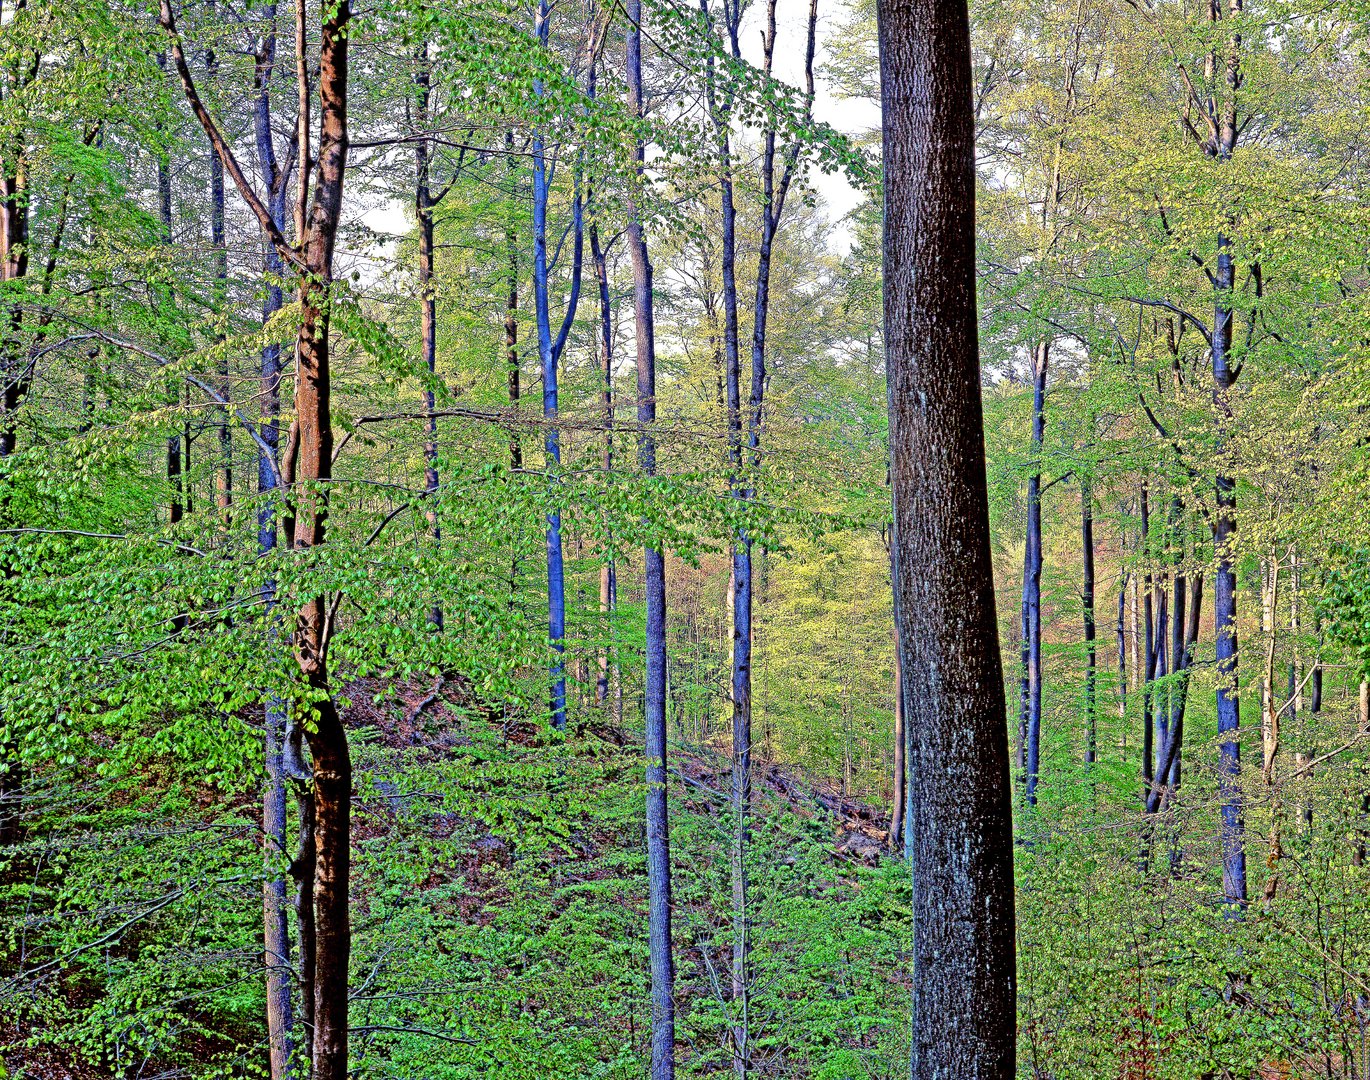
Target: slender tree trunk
(1271,714)
(1232,830)
(1121,632)
(1135,644)
(223,473)
(1363,810)
(549,352)
(276,930)
(901,790)
(173,442)
(739,578)
(14,382)
(959,808)
(608,577)
(511,309)
(1149,646)
(303,870)
(556,579)
(1033,578)
(654,566)
(1087,598)
(424,204)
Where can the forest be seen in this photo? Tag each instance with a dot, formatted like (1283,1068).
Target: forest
(812,539)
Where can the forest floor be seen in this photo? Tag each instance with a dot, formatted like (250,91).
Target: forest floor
(445,780)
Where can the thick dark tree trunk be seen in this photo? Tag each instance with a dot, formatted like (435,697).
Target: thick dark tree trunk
(654,566)
(959,806)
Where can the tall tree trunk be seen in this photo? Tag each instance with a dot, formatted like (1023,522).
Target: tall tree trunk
(275,923)
(549,352)
(1232,830)
(1271,715)
(303,869)
(608,575)
(424,204)
(14,382)
(1121,632)
(1363,810)
(223,472)
(556,576)
(1149,645)
(1032,581)
(1087,599)
(901,789)
(963,1010)
(654,567)
(511,310)
(317,227)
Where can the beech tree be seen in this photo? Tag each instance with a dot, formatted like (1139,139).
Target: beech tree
(959,816)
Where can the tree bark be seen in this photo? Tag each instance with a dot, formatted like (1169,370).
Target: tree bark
(1149,646)
(275,923)
(1121,632)
(960,817)
(1232,830)
(608,572)
(1032,580)
(1087,599)
(317,228)
(223,473)
(654,567)
(424,204)
(549,352)
(901,789)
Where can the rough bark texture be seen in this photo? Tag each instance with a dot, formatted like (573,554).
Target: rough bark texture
(959,807)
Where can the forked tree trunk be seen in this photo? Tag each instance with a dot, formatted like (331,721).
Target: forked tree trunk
(317,227)
(960,817)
